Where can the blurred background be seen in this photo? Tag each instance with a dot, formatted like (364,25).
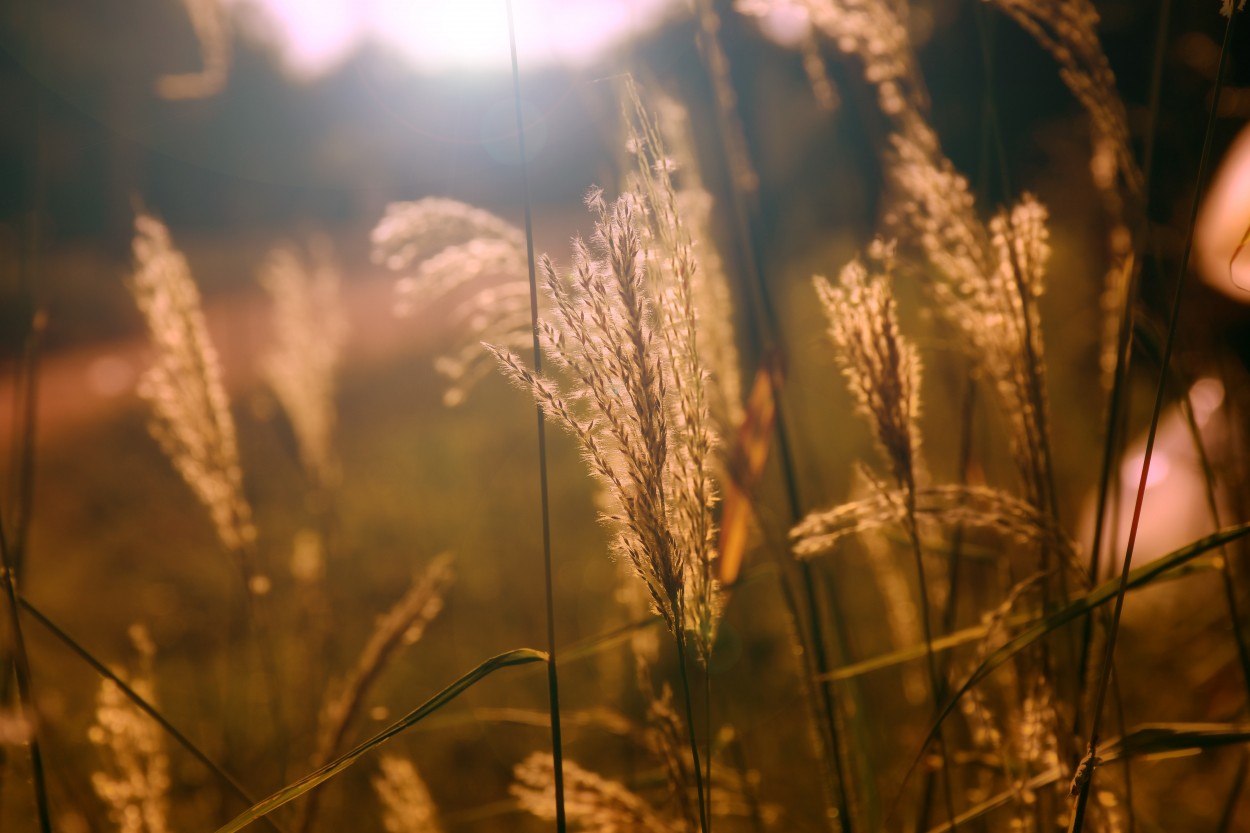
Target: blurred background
(255,121)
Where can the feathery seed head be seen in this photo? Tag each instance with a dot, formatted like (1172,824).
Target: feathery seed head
(309,329)
(134,780)
(190,411)
(591,801)
(442,248)
(406,803)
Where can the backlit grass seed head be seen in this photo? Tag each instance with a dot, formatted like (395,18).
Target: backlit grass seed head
(1226,7)
(881,367)
(591,802)
(689,224)
(406,803)
(1068,30)
(693,313)
(641,425)
(874,32)
(134,780)
(442,247)
(943,506)
(988,280)
(190,412)
(301,367)
(403,625)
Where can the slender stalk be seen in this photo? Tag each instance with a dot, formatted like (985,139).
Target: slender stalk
(937,682)
(1117,406)
(707,730)
(954,560)
(1228,580)
(227,780)
(821,667)
(25,400)
(1081,785)
(694,744)
(1239,786)
(763,332)
(553,677)
(21,668)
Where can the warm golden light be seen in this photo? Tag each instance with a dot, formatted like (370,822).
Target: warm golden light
(468,34)
(1222,227)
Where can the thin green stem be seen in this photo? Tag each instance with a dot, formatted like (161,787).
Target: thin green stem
(1229,813)
(227,780)
(1085,779)
(21,668)
(694,744)
(553,677)
(1117,405)
(1228,581)
(763,332)
(937,683)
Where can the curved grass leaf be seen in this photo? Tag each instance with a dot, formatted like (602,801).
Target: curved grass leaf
(1169,738)
(521,656)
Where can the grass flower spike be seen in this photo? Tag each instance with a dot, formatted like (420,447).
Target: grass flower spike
(301,367)
(190,411)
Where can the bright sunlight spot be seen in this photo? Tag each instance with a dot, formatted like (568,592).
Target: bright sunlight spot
(316,35)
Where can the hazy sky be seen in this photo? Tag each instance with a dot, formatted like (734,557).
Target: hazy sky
(314,35)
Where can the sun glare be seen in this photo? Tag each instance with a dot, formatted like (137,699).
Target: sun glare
(437,35)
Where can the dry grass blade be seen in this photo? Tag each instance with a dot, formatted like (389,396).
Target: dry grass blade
(1165,738)
(1081,783)
(521,656)
(1144,741)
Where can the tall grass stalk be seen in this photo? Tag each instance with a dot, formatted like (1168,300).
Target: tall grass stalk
(21,671)
(1228,581)
(1085,772)
(217,770)
(403,625)
(553,676)
(25,403)
(770,353)
(1116,416)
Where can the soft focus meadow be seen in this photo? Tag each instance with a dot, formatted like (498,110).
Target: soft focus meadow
(768,415)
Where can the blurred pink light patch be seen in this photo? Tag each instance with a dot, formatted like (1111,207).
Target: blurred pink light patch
(1224,222)
(314,36)
(1175,511)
